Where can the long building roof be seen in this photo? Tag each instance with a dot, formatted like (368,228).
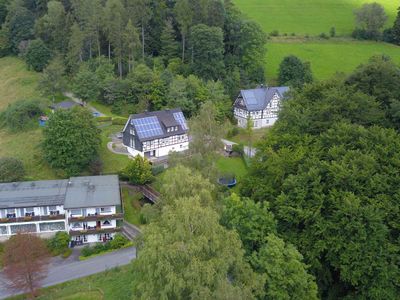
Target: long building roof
(90,191)
(258,99)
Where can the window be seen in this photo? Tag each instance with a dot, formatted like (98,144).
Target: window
(3,230)
(11,213)
(76,212)
(44,210)
(29,212)
(168,129)
(106,223)
(105,209)
(52,226)
(23,228)
(77,225)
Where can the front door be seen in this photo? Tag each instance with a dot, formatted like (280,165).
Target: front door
(98,224)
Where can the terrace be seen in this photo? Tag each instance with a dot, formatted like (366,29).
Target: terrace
(94,230)
(32,218)
(95,217)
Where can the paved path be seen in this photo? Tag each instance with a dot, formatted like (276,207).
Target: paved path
(79,101)
(61,272)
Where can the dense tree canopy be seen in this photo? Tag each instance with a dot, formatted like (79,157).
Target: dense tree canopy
(293,72)
(37,55)
(138,171)
(71,140)
(328,171)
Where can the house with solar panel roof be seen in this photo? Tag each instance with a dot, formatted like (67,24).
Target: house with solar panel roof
(260,104)
(156,134)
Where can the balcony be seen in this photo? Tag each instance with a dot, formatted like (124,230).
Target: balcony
(95,231)
(32,219)
(97,217)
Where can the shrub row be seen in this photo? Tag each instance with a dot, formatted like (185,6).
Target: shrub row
(117,242)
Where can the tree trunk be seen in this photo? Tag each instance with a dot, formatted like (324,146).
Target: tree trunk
(90,49)
(120,67)
(98,45)
(129,63)
(183,47)
(142,40)
(109,51)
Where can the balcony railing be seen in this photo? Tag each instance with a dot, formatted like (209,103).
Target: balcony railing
(96,217)
(95,231)
(32,218)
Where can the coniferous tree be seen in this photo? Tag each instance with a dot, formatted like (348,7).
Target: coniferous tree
(184,17)
(132,41)
(396,29)
(169,45)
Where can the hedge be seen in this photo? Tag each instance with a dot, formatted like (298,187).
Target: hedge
(119,121)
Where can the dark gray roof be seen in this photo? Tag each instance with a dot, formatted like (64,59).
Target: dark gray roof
(92,191)
(163,118)
(32,193)
(77,192)
(258,99)
(65,105)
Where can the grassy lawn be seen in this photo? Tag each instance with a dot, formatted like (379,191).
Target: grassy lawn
(16,82)
(112,163)
(104,109)
(309,16)
(112,284)
(26,146)
(232,165)
(313,17)
(132,206)
(327,57)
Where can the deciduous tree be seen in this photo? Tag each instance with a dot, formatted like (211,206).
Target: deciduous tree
(25,261)
(184,17)
(138,171)
(37,55)
(52,81)
(71,140)
(199,259)
(294,72)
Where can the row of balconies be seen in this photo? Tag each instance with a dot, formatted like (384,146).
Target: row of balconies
(95,231)
(32,218)
(93,217)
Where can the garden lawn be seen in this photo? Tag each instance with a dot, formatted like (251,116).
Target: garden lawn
(232,165)
(16,82)
(132,206)
(26,147)
(112,284)
(327,57)
(309,16)
(112,163)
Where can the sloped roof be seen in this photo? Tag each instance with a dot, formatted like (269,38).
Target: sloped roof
(32,193)
(153,125)
(258,99)
(92,191)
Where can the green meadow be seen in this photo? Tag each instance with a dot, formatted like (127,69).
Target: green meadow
(312,17)
(309,16)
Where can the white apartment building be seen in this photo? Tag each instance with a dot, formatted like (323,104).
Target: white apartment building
(88,208)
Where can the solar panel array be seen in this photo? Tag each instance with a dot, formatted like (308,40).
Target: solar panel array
(147,127)
(180,118)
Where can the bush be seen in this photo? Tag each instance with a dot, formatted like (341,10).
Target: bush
(138,171)
(59,243)
(21,115)
(11,169)
(232,132)
(37,55)
(274,33)
(332,32)
(155,170)
(118,242)
(238,148)
(119,121)
(362,34)
(103,119)
(324,36)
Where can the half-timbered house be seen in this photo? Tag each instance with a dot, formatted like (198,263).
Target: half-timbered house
(261,105)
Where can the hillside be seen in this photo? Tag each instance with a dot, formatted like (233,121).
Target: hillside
(313,17)
(16,82)
(308,16)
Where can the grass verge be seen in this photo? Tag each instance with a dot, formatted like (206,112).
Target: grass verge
(132,206)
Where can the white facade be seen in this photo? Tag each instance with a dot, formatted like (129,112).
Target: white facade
(162,147)
(44,220)
(261,118)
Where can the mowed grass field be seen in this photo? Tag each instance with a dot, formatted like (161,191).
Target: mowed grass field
(328,57)
(309,16)
(313,17)
(16,82)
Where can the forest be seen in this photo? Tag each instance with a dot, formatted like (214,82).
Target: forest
(136,54)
